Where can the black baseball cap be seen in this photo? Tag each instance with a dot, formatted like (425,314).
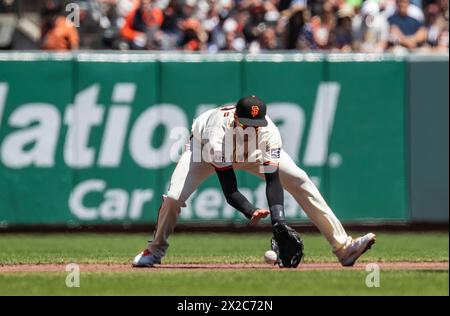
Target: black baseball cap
(251,111)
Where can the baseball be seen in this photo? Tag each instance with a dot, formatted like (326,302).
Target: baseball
(270,257)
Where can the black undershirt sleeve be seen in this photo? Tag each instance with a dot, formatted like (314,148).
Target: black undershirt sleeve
(275,197)
(235,198)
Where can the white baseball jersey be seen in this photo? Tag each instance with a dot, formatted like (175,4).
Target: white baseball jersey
(228,143)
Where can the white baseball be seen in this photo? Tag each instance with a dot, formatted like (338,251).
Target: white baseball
(270,256)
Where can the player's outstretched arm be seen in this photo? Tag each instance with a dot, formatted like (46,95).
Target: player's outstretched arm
(235,198)
(286,242)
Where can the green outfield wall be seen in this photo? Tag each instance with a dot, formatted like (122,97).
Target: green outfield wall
(92,138)
(428,139)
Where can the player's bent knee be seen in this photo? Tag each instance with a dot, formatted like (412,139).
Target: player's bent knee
(173,201)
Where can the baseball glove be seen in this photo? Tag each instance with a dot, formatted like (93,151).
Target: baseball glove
(287,244)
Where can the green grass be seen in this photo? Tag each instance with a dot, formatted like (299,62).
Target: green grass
(202,248)
(216,248)
(268,282)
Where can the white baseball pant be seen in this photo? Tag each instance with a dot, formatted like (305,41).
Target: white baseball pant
(188,175)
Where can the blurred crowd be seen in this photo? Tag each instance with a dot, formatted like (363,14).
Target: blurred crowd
(246,25)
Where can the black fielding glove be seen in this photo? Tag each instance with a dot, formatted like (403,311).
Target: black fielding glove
(287,244)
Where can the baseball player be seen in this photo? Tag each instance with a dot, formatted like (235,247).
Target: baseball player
(243,137)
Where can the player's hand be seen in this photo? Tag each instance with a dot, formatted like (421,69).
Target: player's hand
(258,214)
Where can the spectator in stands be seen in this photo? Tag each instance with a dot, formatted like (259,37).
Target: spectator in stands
(89,28)
(298,33)
(442,22)
(370,29)
(189,9)
(193,38)
(437,29)
(171,32)
(268,39)
(234,42)
(233,27)
(141,27)
(255,25)
(341,37)
(123,8)
(443,11)
(272,15)
(214,26)
(57,32)
(390,8)
(405,31)
(251,25)
(322,25)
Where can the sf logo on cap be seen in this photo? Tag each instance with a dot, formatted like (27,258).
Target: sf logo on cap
(255,110)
